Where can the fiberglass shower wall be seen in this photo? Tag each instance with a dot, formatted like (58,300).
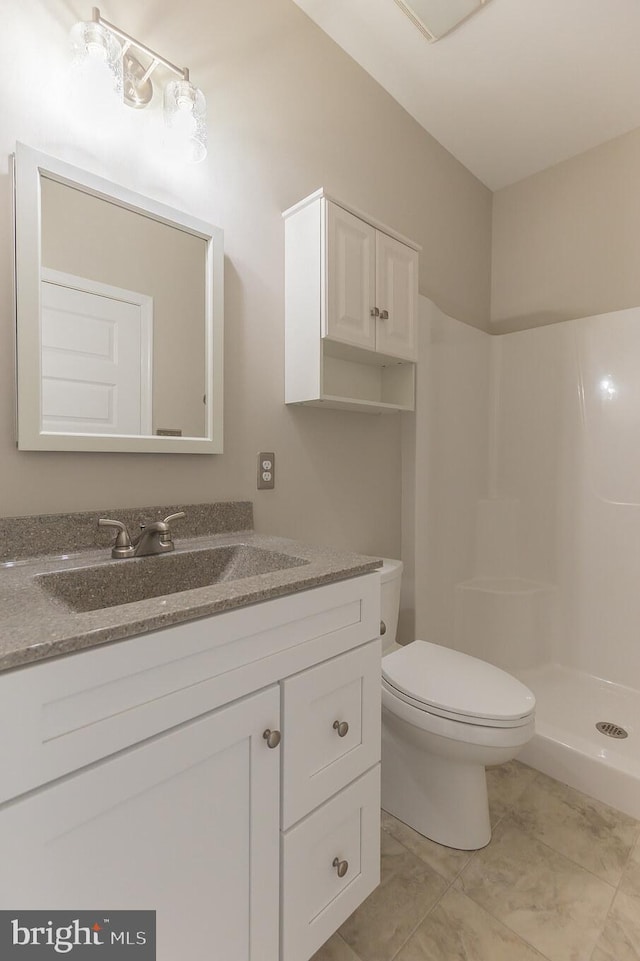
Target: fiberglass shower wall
(527,493)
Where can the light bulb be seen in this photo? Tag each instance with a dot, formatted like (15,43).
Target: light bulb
(97,50)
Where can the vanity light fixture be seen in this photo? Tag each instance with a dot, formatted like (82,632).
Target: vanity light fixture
(185,109)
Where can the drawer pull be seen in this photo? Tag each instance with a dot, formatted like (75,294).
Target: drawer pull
(272,738)
(341,727)
(341,867)
(383,628)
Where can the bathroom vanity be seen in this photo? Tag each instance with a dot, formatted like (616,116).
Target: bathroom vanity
(222,770)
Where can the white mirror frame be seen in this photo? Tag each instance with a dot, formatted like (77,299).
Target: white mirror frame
(28,167)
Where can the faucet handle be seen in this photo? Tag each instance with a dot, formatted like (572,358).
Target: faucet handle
(107,522)
(174,517)
(122,546)
(166,537)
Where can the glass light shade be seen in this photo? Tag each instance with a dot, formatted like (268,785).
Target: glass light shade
(97,54)
(185,117)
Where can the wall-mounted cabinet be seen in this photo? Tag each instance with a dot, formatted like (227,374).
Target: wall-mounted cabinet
(351,301)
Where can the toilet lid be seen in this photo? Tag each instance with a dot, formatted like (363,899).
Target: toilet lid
(457,683)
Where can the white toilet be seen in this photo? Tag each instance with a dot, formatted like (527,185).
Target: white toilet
(445,716)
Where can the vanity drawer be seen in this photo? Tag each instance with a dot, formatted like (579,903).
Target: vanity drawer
(315,900)
(331,720)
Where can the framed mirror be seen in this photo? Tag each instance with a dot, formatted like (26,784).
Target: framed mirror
(119,316)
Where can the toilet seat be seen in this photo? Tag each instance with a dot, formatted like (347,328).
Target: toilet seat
(452,685)
(462,720)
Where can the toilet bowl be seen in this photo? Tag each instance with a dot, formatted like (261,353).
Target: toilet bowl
(445,717)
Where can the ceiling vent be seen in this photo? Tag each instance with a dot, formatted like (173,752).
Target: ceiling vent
(435,18)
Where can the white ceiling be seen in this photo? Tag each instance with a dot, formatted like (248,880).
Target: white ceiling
(520,86)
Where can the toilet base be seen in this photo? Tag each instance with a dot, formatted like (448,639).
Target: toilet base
(445,800)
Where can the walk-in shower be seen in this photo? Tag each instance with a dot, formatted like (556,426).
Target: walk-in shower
(525,480)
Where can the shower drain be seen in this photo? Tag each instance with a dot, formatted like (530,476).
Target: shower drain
(610,729)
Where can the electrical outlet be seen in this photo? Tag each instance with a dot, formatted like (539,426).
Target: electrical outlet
(266,471)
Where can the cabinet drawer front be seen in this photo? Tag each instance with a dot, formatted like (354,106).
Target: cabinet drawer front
(332,728)
(315,900)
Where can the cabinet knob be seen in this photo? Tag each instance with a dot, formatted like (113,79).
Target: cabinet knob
(383,628)
(384,315)
(341,727)
(341,867)
(272,738)
(374,312)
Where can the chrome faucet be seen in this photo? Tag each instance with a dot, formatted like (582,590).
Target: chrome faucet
(154,538)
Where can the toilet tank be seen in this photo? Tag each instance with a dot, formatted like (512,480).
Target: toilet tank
(390,580)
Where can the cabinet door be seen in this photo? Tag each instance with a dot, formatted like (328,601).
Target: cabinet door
(396,296)
(185,823)
(350,279)
(332,718)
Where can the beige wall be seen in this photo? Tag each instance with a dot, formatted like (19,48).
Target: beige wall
(88,237)
(289,112)
(566,241)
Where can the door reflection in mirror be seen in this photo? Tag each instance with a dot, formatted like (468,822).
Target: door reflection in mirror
(123,319)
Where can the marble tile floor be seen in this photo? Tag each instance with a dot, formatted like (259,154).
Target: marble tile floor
(559,881)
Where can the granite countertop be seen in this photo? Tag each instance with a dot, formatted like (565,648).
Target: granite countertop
(36,625)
